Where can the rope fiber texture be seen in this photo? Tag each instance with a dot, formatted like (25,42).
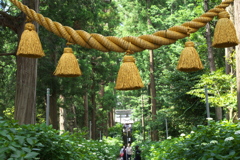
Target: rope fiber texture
(111,43)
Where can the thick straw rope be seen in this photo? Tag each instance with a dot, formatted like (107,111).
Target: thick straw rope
(111,43)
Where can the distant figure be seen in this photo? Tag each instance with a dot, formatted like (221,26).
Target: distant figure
(129,151)
(137,153)
(127,127)
(124,129)
(123,153)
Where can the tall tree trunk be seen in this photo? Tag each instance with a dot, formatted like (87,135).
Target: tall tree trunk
(209,42)
(53,110)
(93,122)
(74,117)
(110,120)
(149,108)
(218,110)
(85,98)
(154,133)
(237,26)
(229,68)
(143,120)
(110,114)
(72,122)
(54,118)
(62,118)
(153,96)
(25,99)
(101,115)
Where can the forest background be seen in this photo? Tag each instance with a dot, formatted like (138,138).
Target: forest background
(168,94)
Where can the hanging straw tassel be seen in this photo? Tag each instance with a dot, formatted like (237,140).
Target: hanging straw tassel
(225,33)
(128,75)
(68,65)
(189,59)
(30,45)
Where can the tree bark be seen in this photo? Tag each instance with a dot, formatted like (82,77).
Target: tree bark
(75,124)
(85,98)
(25,99)
(72,122)
(209,42)
(93,100)
(53,110)
(143,119)
(218,110)
(111,118)
(237,26)
(62,118)
(154,133)
(229,68)
(153,96)
(101,116)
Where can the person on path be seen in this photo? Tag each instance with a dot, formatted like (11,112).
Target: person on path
(123,153)
(129,151)
(137,153)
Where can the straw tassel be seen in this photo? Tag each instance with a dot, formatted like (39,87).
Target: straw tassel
(128,75)
(68,65)
(225,32)
(189,59)
(30,45)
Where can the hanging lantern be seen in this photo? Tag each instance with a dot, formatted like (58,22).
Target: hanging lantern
(68,65)
(189,59)
(128,75)
(30,45)
(225,32)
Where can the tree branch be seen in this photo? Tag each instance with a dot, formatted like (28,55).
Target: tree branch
(7,54)
(9,21)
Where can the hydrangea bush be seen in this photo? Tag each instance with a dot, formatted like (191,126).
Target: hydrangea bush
(45,143)
(216,141)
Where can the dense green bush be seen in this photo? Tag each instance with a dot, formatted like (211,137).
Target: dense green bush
(116,130)
(42,142)
(216,141)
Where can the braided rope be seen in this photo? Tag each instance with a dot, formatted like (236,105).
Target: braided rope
(111,43)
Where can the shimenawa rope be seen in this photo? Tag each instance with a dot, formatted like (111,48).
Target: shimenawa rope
(111,43)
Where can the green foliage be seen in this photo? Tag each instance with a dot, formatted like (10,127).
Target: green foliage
(9,113)
(116,130)
(231,60)
(113,142)
(16,142)
(98,68)
(218,140)
(131,18)
(181,110)
(42,142)
(221,89)
(7,66)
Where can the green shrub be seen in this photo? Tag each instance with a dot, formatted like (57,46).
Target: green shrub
(44,143)
(116,130)
(217,141)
